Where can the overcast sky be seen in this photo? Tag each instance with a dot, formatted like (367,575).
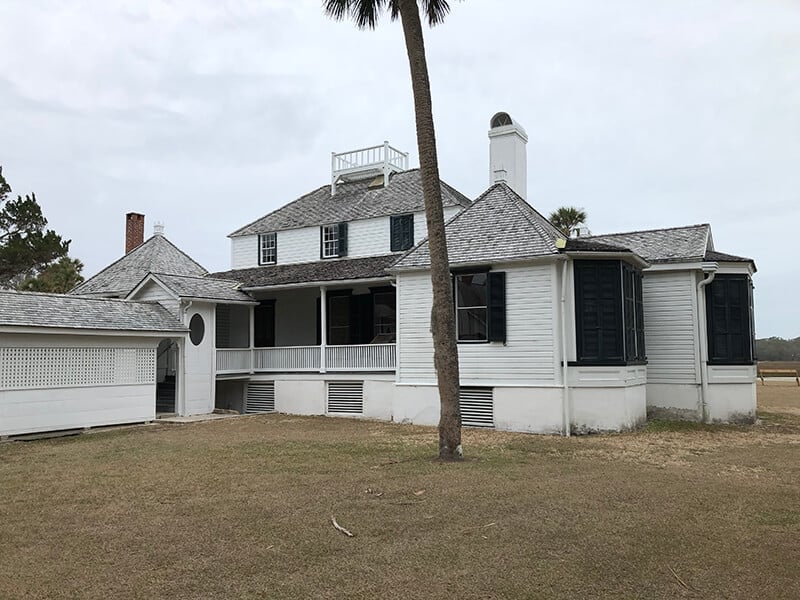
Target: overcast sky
(205,115)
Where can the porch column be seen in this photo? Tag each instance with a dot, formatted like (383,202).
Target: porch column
(323,326)
(252,337)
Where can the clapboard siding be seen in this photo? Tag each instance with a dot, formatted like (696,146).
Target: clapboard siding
(368,237)
(527,356)
(670,327)
(244,252)
(152,292)
(365,237)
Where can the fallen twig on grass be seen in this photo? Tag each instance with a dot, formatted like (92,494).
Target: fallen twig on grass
(468,529)
(681,581)
(340,528)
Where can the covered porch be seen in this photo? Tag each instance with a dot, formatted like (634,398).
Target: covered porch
(347,327)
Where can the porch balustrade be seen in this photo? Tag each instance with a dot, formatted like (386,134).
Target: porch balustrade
(287,358)
(364,357)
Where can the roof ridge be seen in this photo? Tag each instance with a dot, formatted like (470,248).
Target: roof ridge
(707,225)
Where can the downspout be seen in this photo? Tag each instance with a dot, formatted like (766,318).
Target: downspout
(565,383)
(711,269)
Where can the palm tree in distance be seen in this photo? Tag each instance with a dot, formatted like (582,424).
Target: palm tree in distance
(365,13)
(568,218)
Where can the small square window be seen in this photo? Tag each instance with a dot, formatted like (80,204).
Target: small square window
(267,248)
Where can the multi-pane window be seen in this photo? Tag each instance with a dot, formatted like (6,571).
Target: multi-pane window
(480,306)
(729,311)
(609,313)
(401,232)
(333,240)
(267,248)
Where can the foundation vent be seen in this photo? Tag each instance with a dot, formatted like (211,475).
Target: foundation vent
(477,406)
(346,397)
(260,397)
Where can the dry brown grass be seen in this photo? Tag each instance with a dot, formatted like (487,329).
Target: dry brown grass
(241,508)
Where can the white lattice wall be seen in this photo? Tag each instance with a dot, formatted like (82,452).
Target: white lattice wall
(23,368)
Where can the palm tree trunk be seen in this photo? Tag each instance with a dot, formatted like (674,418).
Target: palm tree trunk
(445,351)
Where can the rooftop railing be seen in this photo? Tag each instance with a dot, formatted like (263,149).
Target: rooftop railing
(367,162)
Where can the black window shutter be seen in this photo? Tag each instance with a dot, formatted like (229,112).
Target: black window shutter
(729,316)
(598,311)
(276,247)
(396,233)
(342,239)
(408,232)
(641,353)
(321,244)
(497,306)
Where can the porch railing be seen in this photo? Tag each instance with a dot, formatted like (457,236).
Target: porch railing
(233,360)
(364,357)
(287,358)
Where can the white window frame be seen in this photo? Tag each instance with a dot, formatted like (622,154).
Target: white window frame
(330,241)
(267,248)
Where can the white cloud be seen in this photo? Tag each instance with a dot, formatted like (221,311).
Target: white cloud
(208,114)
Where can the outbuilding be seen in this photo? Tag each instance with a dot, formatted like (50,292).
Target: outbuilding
(71,362)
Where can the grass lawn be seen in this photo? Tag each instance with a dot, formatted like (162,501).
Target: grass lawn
(241,508)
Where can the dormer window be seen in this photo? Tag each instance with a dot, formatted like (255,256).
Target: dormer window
(333,239)
(267,248)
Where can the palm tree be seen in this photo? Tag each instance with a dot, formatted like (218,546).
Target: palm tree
(445,351)
(567,218)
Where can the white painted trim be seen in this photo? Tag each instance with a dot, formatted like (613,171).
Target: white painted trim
(87,331)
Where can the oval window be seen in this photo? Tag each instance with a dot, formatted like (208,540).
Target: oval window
(197,329)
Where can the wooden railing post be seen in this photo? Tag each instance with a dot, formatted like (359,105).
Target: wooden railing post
(323,326)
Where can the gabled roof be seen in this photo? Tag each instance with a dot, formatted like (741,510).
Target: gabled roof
(673,244)
(342,269)
(34,309)
(156,255)
(199,288)
(352,201)
(499,225)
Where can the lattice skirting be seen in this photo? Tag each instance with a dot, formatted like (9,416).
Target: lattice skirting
(46,367)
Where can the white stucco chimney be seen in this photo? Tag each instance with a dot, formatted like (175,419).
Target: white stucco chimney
(158,228)
(508,159)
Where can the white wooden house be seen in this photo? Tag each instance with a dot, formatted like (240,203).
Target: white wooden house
(326,309)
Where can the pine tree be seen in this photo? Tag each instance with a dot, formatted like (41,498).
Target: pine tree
(26,246)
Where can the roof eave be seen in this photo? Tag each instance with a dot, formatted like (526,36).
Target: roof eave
(302,284)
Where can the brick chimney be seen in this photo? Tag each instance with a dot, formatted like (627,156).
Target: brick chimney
(134,231)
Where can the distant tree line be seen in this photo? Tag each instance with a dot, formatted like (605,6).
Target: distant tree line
(776,348)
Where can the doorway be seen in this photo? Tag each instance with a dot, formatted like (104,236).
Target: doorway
(166,377)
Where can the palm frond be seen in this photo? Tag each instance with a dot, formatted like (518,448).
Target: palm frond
(365,13)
